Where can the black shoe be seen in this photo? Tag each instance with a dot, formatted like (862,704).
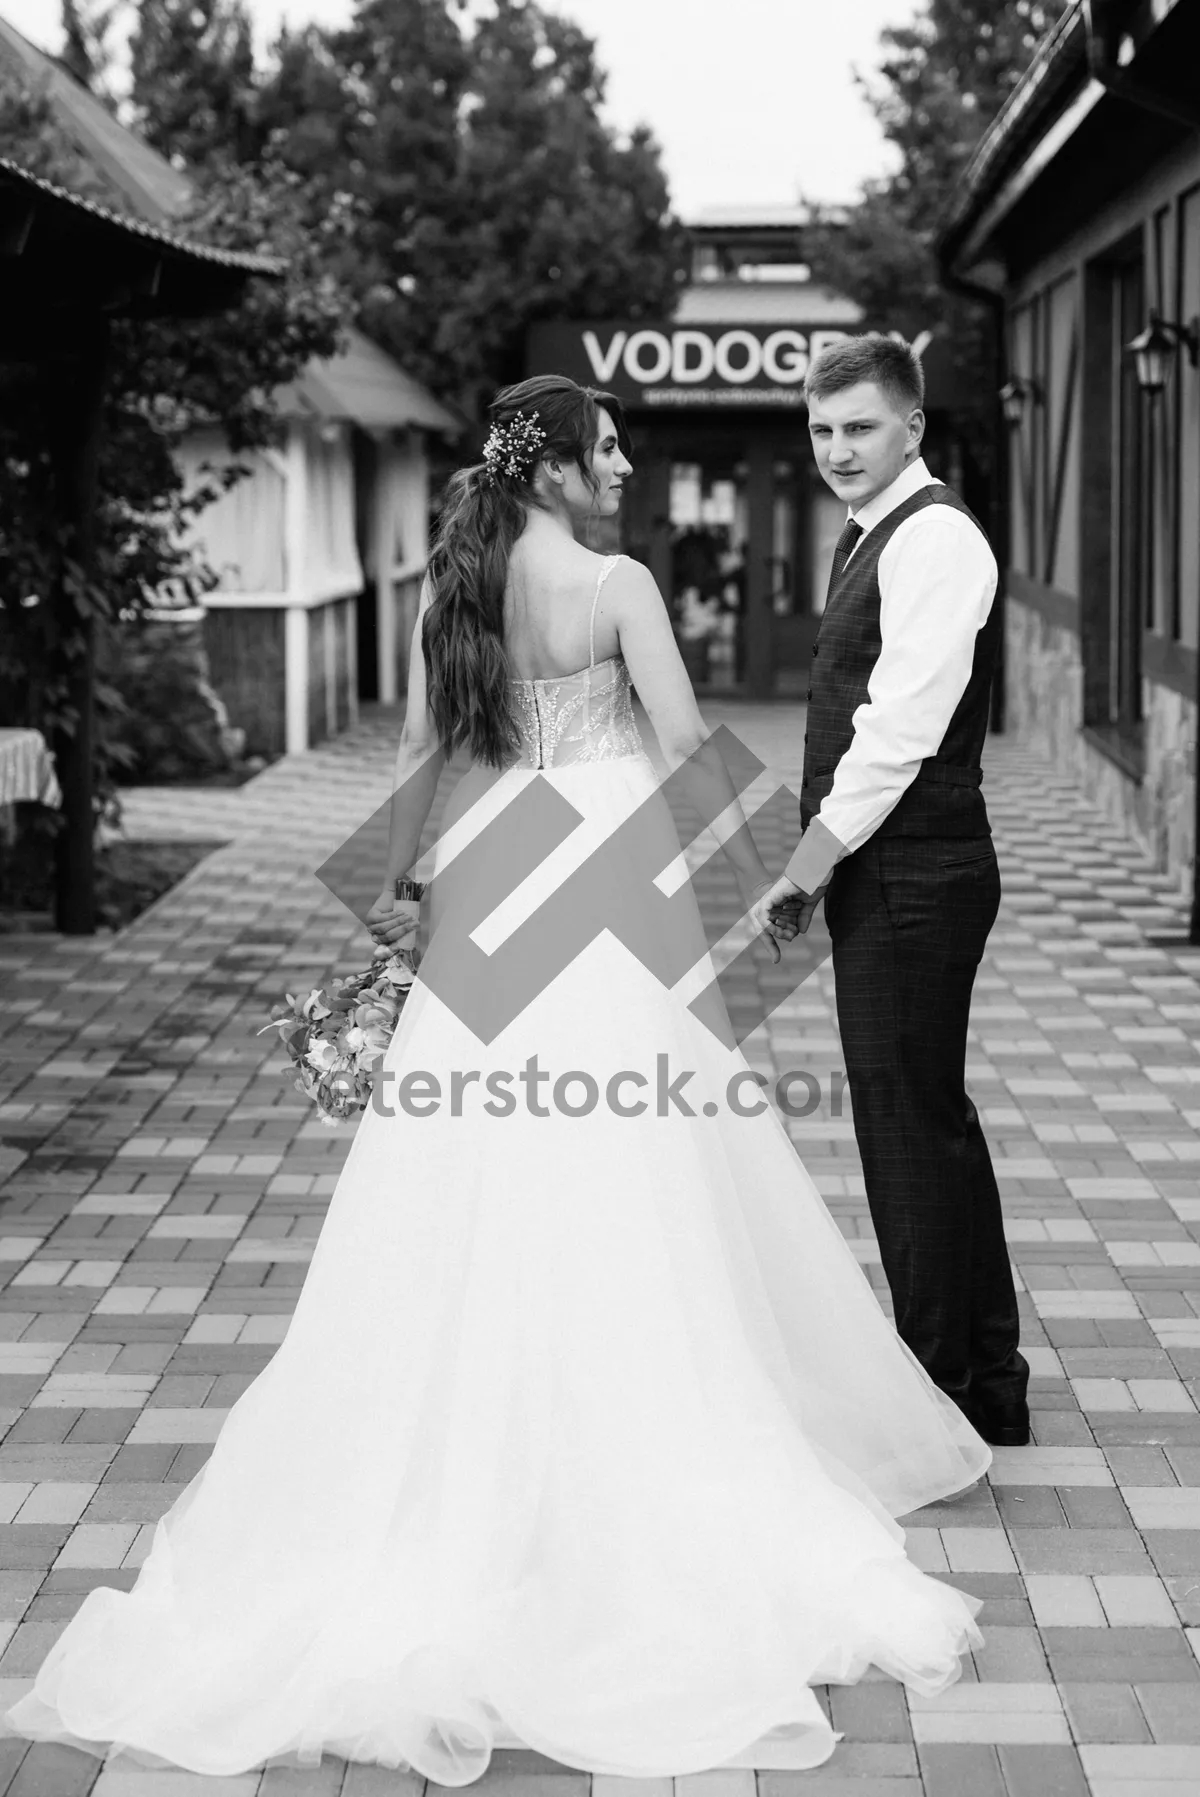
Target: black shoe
(1001,1425)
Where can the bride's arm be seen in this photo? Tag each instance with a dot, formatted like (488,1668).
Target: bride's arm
(420,759)
(656,668)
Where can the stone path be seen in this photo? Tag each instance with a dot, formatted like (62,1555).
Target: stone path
(163,1185)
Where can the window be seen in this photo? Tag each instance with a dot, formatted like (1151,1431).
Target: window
(1130,585)
(1116,538)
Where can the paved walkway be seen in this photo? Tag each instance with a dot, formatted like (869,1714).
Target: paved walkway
(164,1184)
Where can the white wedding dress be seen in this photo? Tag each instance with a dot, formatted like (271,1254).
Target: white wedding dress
(587,1433)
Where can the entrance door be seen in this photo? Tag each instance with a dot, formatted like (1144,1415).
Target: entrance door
(802,552)
(738,561)
(709,539)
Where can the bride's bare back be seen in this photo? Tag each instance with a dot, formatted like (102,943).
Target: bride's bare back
(548,602)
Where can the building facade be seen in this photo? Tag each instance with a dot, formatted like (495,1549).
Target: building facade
(1080,215)
(320,551)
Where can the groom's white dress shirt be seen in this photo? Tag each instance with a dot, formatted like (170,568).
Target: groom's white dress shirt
(937,581)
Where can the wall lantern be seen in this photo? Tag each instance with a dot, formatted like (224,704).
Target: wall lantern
(1154,349)
(1015,395)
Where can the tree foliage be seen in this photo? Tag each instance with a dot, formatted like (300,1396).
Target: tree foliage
(192,79)
(486,188)
(87,52)
(941,81)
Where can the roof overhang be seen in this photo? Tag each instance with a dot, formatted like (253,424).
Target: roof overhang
(1110,77)
(364,386)
(137,266)
(131,174)
(61,253)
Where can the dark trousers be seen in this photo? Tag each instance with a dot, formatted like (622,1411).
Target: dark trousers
(909,917)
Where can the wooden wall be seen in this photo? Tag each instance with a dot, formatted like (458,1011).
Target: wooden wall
(1105,483)
(246,657)
(245,646)
(1104,576)
(318,728)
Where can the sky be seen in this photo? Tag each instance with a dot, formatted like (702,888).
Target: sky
(752,101)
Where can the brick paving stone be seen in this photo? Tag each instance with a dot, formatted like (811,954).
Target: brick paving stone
(379,1781)
(324,1780)
(1127,1771)
(1123,1655)
(1051,1771)
(49,1770)
(952,1769)
(1172,1711)
(164,1186)
(1104,1711)
(138,1781)
(1012,1655)
(870,1712)
(1088,1551)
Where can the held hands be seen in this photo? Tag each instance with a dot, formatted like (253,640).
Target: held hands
(392,921)
(785,909)
(752,898)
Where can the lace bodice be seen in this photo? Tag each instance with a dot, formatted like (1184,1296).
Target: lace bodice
(584,716)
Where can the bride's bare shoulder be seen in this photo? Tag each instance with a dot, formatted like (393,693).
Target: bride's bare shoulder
(631,582)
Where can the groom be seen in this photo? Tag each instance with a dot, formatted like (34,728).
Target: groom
(896,837)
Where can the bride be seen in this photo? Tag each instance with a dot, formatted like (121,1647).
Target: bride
(588,1433)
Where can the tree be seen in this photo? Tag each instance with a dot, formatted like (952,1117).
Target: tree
(374,112)
(193,79)
(86,26)
(488,191)
(941,82)
(484,189)
(575,223)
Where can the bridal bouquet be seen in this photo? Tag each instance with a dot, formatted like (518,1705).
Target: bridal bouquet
(337,1038)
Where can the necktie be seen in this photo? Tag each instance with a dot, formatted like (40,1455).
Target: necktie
(845,543)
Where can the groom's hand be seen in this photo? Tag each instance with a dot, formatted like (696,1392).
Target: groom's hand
(774,908)
(787,909)
(803,911)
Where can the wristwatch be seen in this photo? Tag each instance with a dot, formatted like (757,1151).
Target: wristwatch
(408,889)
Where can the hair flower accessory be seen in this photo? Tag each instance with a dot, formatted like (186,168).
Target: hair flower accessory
(512,448)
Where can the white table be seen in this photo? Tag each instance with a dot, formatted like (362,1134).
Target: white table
(27,768)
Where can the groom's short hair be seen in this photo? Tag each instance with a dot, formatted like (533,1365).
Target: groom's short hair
(894,367)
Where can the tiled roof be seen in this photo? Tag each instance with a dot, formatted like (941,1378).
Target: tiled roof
(136,175)
(366,386)
(363,384)
(1061,53)
(12,173)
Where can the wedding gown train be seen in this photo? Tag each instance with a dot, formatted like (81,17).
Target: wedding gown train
(587,1434)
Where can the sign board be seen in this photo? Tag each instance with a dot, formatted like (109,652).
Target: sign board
(673,367)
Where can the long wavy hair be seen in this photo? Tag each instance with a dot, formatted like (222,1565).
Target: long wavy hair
(484,512)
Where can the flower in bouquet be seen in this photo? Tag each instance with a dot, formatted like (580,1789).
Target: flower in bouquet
(336,1039)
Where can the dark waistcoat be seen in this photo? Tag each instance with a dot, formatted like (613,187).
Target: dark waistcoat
(945,798)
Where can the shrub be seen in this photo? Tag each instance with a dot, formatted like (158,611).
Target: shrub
(160,705)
